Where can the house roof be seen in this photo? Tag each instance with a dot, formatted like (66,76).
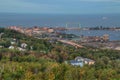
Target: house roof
(75,61)
(79,57)
(84,59)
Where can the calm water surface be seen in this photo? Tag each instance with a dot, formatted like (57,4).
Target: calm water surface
(114,35)
(53,20)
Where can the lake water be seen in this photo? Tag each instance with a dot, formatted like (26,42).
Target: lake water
(60,20)
(53,20)
(113,35)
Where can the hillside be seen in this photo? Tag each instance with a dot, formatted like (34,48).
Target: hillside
(50,61)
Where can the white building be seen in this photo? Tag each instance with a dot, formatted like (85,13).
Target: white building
(23,45)
(11,47)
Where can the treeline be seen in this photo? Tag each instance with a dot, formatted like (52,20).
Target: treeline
(103,28)
(53,71)
(52,65)
(7,33)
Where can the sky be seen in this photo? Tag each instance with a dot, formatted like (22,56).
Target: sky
(60,6)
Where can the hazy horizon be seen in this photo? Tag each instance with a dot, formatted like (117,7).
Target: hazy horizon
(89,13)
(52,20)
(60,6)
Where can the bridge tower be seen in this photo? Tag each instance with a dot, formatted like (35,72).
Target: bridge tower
(73,25)
(73,28)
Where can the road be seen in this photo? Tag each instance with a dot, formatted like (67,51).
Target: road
(71,43)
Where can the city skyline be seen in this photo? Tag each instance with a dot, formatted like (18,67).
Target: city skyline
(60,6)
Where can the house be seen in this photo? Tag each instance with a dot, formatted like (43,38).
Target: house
(80,61)
(76,63)
(1,46)
(50,30)
(24,45)
(21,49)
(89,61)
(13,41)
(117,48)
(16,48)
(11,47)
